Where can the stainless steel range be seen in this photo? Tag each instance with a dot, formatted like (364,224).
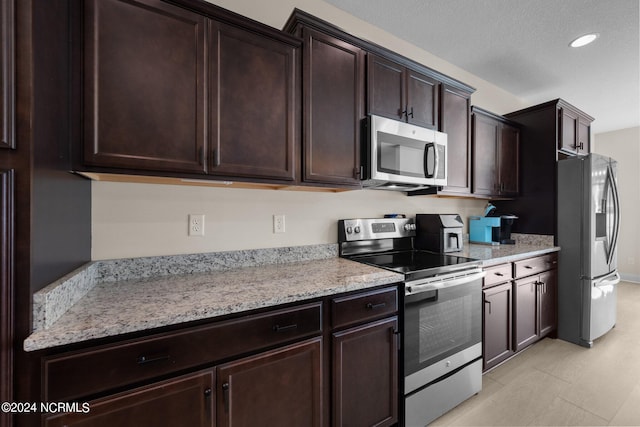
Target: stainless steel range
(442,319)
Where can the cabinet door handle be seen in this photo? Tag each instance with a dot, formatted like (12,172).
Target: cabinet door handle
(488,302)
(144,360)
(216,157)
(398,338)
(278,328)
(225,396)
(207,397)
(410,113)
(371,306)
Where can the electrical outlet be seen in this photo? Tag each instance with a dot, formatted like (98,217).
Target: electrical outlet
(278,224)
(196,225)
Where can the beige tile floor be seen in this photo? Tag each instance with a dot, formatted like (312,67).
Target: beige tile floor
(555,383)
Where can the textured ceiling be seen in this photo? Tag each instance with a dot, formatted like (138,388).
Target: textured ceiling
(522,47)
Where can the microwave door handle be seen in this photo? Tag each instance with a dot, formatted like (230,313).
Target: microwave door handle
(430,146)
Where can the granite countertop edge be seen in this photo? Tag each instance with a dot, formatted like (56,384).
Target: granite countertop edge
(109,298)
(105,308)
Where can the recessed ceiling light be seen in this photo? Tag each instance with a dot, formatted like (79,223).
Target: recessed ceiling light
(584,40)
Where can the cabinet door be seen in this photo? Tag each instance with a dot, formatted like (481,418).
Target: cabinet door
(184,401)
(277,388)
(485,152)
(365,375)
(584,137)
(548,302)
(334,107)
(497,342)
(385,88)
(454,121)
(525,312)
(508,160)
(144,93)
(422,100)
(568,131)
(6,287)
(7,66)
(254,104)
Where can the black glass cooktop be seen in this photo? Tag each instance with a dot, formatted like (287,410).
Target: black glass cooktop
(416,261)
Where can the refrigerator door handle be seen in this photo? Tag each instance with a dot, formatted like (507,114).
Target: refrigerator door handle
(610,280)
(616,204)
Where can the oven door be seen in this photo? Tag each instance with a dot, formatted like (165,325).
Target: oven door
(442,326)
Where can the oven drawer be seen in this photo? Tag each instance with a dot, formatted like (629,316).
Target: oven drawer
(363,306)
(88,372)
(528,267)
(497,274)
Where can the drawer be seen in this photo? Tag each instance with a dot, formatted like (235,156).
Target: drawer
(362,307)
(535,265)
(497,274)
(88,372)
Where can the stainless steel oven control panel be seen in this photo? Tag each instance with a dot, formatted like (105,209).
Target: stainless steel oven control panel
(350,230)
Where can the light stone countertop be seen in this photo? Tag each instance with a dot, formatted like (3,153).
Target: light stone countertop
(114,308)
(109,298)
(498,254)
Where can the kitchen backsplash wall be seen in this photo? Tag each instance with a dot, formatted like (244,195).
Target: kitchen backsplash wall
(134,220)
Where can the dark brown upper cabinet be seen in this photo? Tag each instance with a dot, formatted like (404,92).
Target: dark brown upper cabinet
(574,131)
(333,93)
(496,145)
(168,89)
(455,108)
(7,73)
(253,105)
(401,93)
(144,86)
(548,132)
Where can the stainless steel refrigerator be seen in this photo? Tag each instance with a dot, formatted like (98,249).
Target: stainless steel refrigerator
(588,229)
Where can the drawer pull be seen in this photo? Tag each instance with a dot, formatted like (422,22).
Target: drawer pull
(499,274)
(144,360)
(371,306)
(278,328)
(528,267)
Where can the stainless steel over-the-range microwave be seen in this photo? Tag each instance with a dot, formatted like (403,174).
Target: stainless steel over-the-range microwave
(401,156)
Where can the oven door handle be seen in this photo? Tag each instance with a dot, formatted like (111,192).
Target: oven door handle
(436,285)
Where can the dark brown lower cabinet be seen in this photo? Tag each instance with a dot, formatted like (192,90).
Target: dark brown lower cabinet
(497,341)
(365,375)
(183,401)
(326,362)
(520,306)
(548,302)
(6,288)
(535,307)
(277,388)
(526,313)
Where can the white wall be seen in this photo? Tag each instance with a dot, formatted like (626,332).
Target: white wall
(624,146)
(132,220)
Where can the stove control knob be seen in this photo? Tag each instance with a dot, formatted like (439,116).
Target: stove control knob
(356,229)
(409,227)
(349,230)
